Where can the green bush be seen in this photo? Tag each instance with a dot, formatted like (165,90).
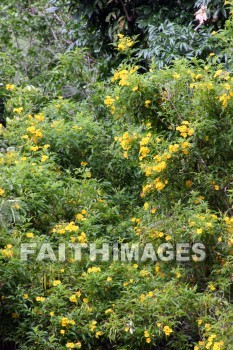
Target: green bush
(143,158)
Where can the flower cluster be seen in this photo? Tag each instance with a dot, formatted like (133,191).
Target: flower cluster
(126,142)
(184,129)
(93,269)
(124,43)
(7,251)
(76,345)
(123,76)
(63,228)
(65,322)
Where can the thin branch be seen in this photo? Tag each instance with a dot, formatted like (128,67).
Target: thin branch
(129,18)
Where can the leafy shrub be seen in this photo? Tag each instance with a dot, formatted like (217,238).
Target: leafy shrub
(143,158)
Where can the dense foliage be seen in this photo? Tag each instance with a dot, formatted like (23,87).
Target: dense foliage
(138,155)
(165,28)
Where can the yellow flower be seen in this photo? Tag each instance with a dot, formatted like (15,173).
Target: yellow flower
(31,129)
(146,206)
(212,287)
(98,334)
(224,99)
(159,185)
(227,86)
(62,331)
(157,268)
(70,345)
(72,322)
(146,334)
(51,313)
(187,183)
(198,76)
(192,85)
(39,117)
(25,296)
(34,148)
(109,101)
(2,192)
(145,140)
(135,88)
(109,311)
(207,326)
(65,321)
(160,167)
(167,330)
(85,300)
(173,148)
(176,76)
(148,340)
(40,298)
(144,273)
(82,238)
(79,217)
(71,227)
(167,155)
(147,103)
(218,73)
(10,87)
(56,283)
(61,231)
(218,345)
(78,345)
(93,269)
(7,251)
(216,187)
(191,132)
(109,279)
(142,297)
(199,231)
(124,43)
(125,155)
(168,238)
(44,158)
(73,298)
(29,235)
(18,110)
(92,326)
(83,163)
(185,145)
(143,152)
